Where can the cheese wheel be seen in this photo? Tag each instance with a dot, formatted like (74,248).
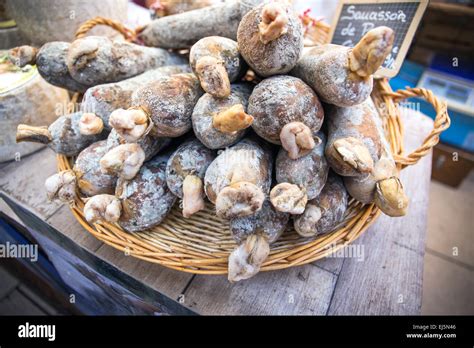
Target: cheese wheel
(26,98)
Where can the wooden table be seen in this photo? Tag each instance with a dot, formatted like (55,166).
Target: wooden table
(388,279)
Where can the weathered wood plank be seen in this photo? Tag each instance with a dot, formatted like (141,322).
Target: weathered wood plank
(302,290)
(4,164)
(36,298)
(330,264)
(64,221)
(7,283)
(162,279)
(4,208)
(17,304)
(389,280)
(24,181)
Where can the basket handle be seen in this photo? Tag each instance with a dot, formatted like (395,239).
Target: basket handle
(441,122)
(128,34)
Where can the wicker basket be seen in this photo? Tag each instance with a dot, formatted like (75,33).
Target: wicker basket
(202,243)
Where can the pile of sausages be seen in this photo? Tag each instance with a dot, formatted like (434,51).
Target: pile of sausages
(155,127)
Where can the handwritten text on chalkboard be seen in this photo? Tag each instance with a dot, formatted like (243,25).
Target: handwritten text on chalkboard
(357,20)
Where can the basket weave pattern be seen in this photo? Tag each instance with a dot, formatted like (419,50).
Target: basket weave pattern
(201,244)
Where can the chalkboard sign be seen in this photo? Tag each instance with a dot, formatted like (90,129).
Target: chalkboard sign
(356,17)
